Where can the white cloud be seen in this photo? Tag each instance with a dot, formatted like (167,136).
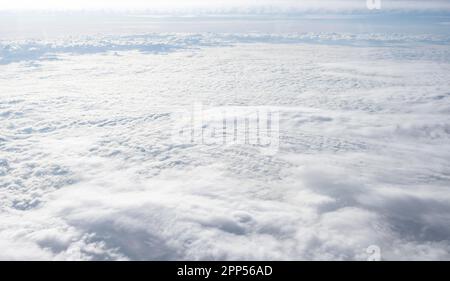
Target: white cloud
(88,169)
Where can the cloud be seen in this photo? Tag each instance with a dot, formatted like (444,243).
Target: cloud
(88,170)
(52,49)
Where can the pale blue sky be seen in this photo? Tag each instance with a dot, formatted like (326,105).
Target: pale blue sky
(285,16)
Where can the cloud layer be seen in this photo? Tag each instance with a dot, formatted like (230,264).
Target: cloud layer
(88,169)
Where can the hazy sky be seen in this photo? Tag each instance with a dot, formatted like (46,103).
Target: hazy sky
(221,5)
(334,15)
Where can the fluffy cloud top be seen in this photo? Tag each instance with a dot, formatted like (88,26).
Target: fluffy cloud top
(88,169)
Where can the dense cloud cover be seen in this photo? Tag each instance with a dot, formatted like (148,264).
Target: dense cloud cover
(88,169)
